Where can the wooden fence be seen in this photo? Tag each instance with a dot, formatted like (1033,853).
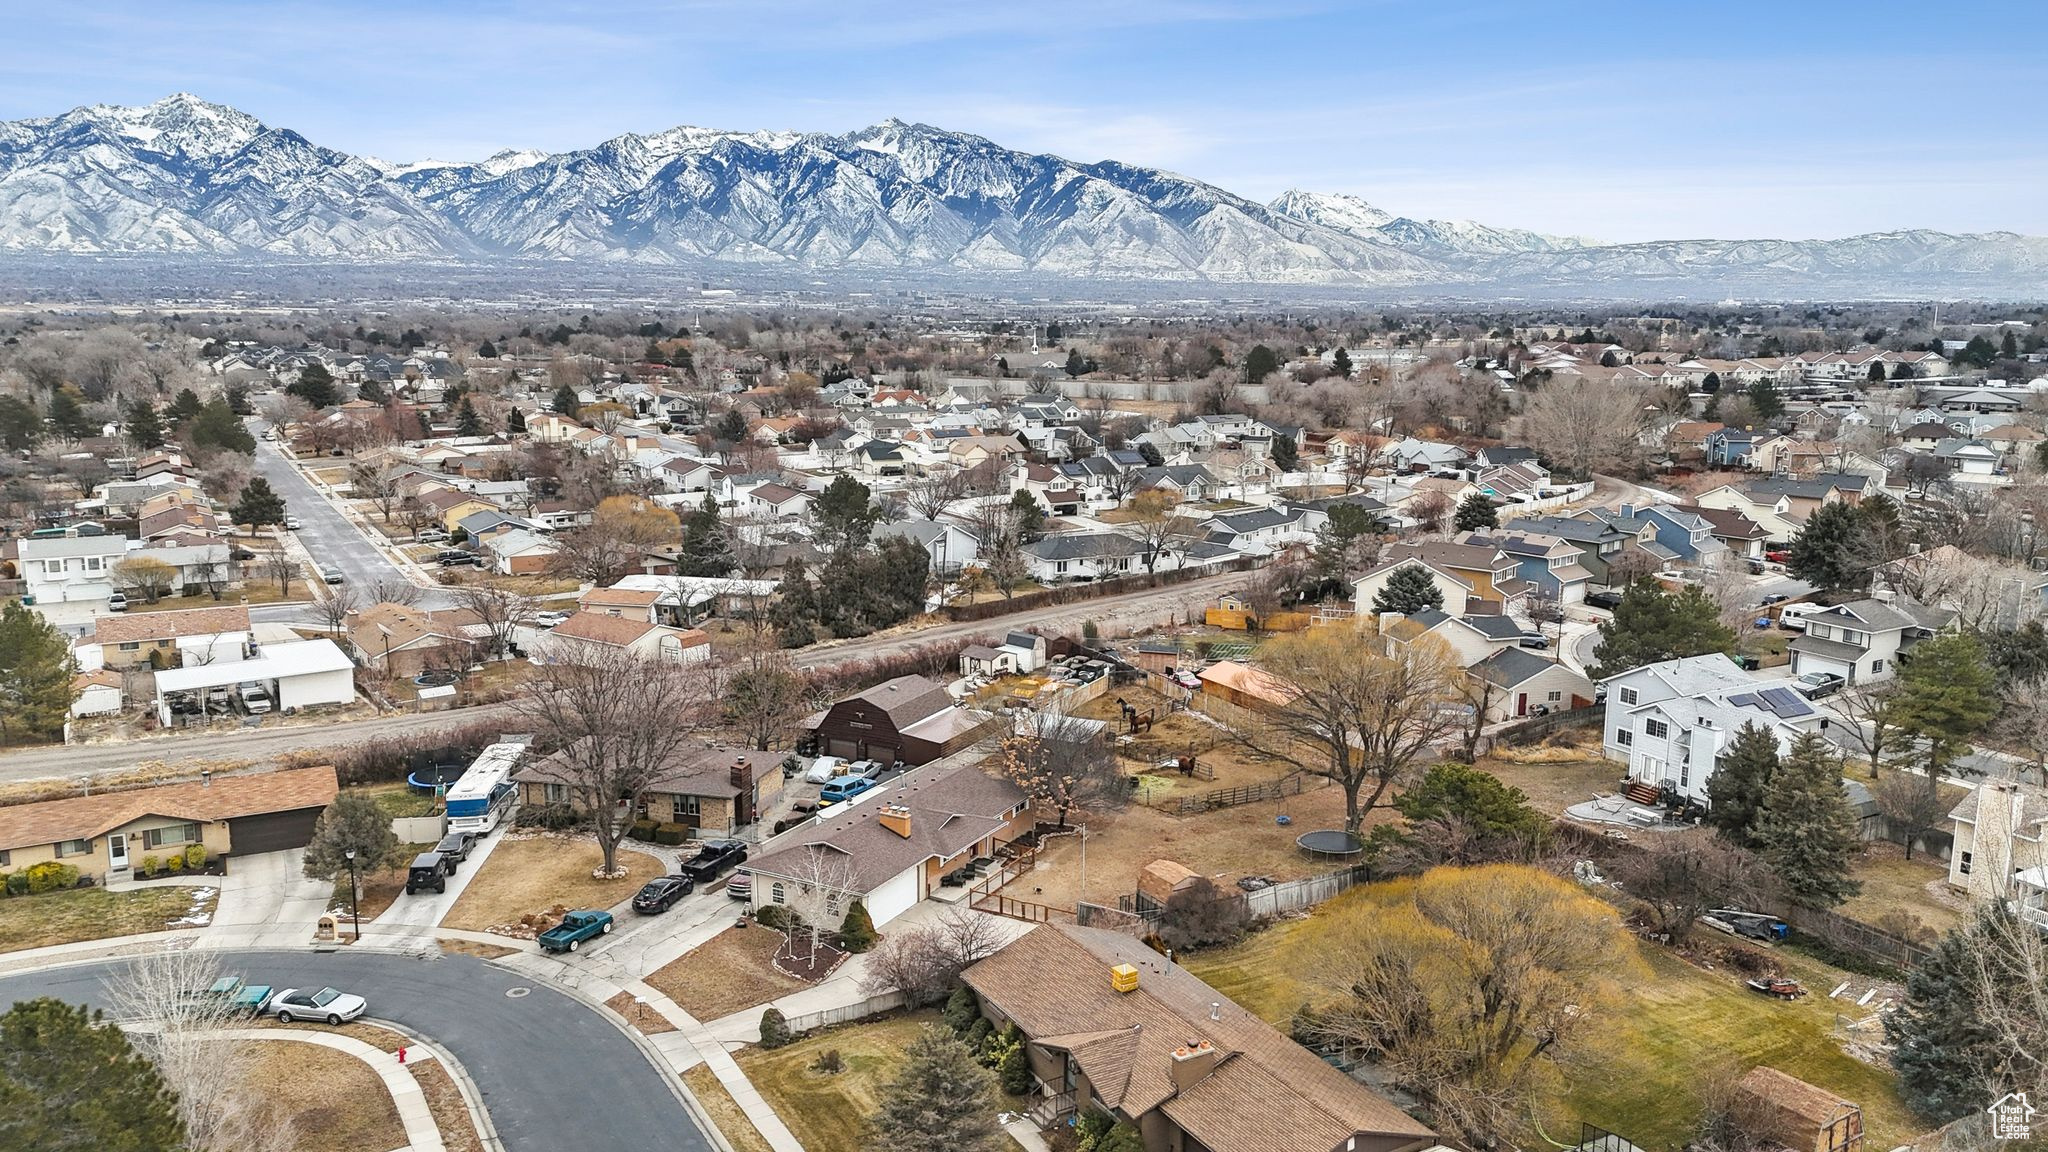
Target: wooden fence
(846,1013)
(1294,895)
(1292,784)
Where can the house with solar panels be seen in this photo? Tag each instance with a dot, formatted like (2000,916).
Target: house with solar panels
(1670,721)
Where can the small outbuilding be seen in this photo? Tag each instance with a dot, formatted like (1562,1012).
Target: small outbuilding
(1786,1111)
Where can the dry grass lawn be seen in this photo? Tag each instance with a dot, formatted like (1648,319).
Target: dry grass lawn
(725,1113)
(377,1037)
(643,1019)
(534,874)
(451,1111)
(729,973)
(1893,884)
(472,948)
(333,1099)
(89,914)
(1556,776)
(1677,1029)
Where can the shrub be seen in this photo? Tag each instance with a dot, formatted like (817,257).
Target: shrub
(1089,630)
(1202,914)
(553,817)
(1089,1129)
(775,1029)
(670,834)
(17,883)
(49,876)
(175,864)
(150,864)
(772,916)
(857,931)
(828,1061)
(1121,1138)
(962,1010)
(195,856)
(1015,1069)
(979,1033)
(641,830)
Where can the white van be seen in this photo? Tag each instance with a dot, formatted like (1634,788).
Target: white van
(1793,616)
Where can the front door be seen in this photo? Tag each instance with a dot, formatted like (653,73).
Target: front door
(117,852)
(1521,703)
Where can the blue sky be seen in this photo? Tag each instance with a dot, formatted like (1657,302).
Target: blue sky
(1623,121)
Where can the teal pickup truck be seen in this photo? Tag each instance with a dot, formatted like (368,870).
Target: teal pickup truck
(574,929)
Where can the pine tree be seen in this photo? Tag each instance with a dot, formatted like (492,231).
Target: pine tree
(1409,589)
(705,550)
(1833,550)
(1764,398)
(145,430)
(315,386)
(1474,512)
(1740,781)
(467,422)
(67,412)
(184,406)
(1077,364)
(1340,363)
(515,421)
(1805,829)
(941,1101)
(1946,695)
(216,427)
(1260,363)
(795,614)
(21,425)
(565,401)
(353,820)
(259,506)
(1944,1047)
(487,351)
(1651,625)
(71,1082)
(35,675)
(1153,458)
(371,391)
(1285,453)
(857,929)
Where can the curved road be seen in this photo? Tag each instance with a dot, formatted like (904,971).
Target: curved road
(553,1073)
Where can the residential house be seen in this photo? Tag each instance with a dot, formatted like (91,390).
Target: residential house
(773,501)
(1729,447)
(519,552)
(107,834)
(1781,505)
(950,545)
(448,506)
(172,639)
(710,790)
(1472,577)
(1412,455)
(1861,641)
(636,604)
(1019,653)
(1687,537)
(894,846)
(1516,682)
(1551,566)
(1110,1025)
(589,632)
(1734,530)
(2001,844)
(910,718)
(1470,638)
(66,569)
(1078,556)
(1670,721)
(1604,545)
(403,641)
(1189,482)
(196,568)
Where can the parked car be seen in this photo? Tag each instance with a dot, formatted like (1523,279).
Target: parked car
(455,846)
(845,788)
(332,575)
(824,768)
(326,1004)
(1815,685)
(1782,556)
(741,886)
(291,524)
(1608,600)
(255,698)
(118,602)
(428,870)
(547,619)
(240,553)
(867,769)
(430,535)
(1773,598)
(661,893)
(1533,639)
(575,928)
(456,558)
(713,859)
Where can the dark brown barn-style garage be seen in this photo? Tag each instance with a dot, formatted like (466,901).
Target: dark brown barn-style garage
(910,718)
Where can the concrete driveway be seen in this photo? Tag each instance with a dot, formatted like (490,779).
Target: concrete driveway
(268,897)
(554,1074)
(424,910)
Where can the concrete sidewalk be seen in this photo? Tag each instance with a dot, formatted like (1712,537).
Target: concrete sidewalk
(421,1133)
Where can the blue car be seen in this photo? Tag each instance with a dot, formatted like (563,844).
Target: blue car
(845,788)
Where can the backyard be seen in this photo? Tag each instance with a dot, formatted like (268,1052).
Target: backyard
(95,914)
(727,973)
(1676,1027)
(1893,885)
(1557,774)
(532,874)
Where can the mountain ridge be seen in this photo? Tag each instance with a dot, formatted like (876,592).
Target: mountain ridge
(187,178)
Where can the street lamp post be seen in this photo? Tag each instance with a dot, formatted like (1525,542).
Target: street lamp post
(354,914)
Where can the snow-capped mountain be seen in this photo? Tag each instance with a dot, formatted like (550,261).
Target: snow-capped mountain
(187,178)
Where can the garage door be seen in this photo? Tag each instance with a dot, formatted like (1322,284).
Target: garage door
(272,831)
(844,749)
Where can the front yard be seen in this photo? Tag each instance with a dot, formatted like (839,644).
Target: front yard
(1675,1029)
(726,974)
(332,1099)
(95,914)
(529,875)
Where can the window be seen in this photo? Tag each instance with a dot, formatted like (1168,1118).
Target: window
(1624,737)
(6,858)
(132,646)
(1685,774)
(1876,666)
(555,793)
(684,805)
(185,833)
(73,848)
(776,893)
(1656,729)
(1963,865)
(1554,697)
(1628,695)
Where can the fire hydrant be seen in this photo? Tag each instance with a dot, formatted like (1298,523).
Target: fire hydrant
(401,1054)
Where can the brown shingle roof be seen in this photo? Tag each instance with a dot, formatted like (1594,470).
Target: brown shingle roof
(952,806)
(1266,1091)
(598,628)
(703,771)
(83,817)
(139,626)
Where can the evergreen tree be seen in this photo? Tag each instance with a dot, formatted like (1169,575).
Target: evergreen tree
(145,429)
(238,400)
(1340,363)
(1030,516)
(565,401)
(353,820)
(1740,781)
(1077,364)
(705,550)
(1153,459)
(2009,348)
(1285,454)
(845,514)
(21,426)
(681,358)
(795,613)
(67,412)
(315,386)
(1944,1047)
(941,1101)
(1946,694)
(467,422)
(259,506)
(217,428)
(1834,550)
(1260,363)
(1477,800)
(71,1082)
(1805,828)
(1711,384)
(653,354)
(184,406)
(487,351)
(857,929)
(1474,512)
(731,427)
(35,675)
(515,421)
(1764,398)
(1409,589)
(371,391)
(1651,625)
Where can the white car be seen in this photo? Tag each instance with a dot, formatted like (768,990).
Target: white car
(291,523)
(824,768)
(326,1004)
(548,619)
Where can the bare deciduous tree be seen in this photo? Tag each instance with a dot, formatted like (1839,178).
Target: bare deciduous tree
(2023,722)
(497,608)
(1000,545)
(1585,425)
(924,962)
(1681,875)
(341,602)
(1911,805)
(818,889)
(1065,763)
(933,494)
(281,566)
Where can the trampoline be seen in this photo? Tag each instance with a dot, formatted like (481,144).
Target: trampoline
(1329,844)
(432,780)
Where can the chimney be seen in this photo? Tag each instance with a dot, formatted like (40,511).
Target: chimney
(896,818)
(206,777)
(1192,1062)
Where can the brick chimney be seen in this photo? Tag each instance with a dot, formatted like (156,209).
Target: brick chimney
(1192,1063)
(896,818)
(741,774)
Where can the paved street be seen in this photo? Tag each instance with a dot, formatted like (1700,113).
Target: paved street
(553,1073)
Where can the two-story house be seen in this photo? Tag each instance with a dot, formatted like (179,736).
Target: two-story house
(1601,544)
(1470,576)
(65,569)
(1551,566)
(2001,846)
(1670,721)
(1687,536)
(1861,641)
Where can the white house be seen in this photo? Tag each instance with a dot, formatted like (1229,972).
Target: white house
(950,546)
(1860,641)
(1669,721)
(70,568)
(2001,845)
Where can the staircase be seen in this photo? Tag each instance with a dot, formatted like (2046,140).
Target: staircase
(1638,792)
(1047,1111)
